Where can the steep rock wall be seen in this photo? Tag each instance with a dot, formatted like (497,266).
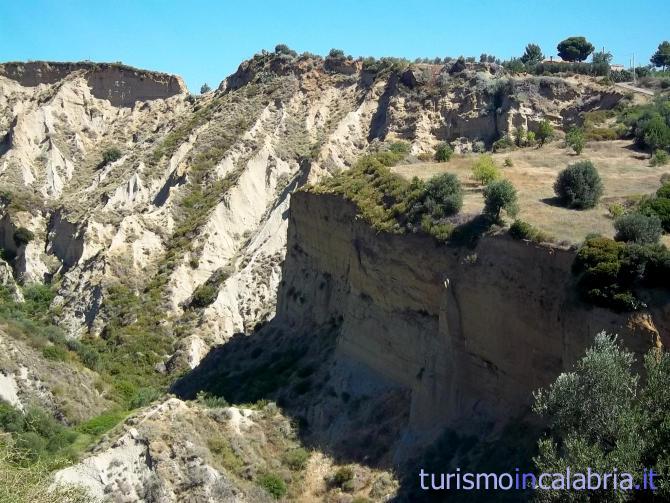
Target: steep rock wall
(470,332)
(120,84)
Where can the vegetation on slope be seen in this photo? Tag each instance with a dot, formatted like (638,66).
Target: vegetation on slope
(649,124)
(390,203)
(609,271)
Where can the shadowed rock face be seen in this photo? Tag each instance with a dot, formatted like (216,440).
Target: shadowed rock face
(121,85)
(381,342)
(470,332)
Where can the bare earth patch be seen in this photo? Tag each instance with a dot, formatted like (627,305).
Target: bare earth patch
(624,170)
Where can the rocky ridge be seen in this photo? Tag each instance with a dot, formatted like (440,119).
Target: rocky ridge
(275,124)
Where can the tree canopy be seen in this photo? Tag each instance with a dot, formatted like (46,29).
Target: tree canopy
(575,49)
(532,55)
(661,57)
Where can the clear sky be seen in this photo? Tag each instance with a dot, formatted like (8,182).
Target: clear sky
(204,41)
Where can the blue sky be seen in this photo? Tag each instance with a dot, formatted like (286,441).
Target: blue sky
(204,41)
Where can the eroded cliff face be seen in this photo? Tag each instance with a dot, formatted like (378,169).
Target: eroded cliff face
(470,332)
(121,85)
(278,122)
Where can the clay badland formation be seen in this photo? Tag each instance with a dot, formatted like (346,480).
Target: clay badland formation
(177,244)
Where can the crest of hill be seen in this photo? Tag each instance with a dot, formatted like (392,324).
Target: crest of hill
(121,84)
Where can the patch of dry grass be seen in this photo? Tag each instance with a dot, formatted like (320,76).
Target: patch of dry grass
(625,173)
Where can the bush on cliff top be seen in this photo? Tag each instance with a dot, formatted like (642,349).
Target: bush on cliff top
(392,204)
(609,271)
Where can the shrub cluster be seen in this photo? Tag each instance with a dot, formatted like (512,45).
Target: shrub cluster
(523,230)
(502,144)
(110,155)
(204,295)
(390,203)
(35,433)
(638,228)
(649,124)
(484,170)
(610,270)
(660,158)
(658,206)
(274,485)
(545,132)
(443,152)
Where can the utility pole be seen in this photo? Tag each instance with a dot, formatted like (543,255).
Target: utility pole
(634,80)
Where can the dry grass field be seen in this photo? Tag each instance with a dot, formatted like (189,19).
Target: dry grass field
(625,172)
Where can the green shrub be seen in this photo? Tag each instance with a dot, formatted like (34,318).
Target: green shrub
(225,454)
(23,236)
(616,210)
(523,230)
(212,401)
(390,203)
(530,138)
(484,170)
(545,132)
(579,185)
(36,434)
(649,124)
(500,195)
(660,158)
(575,140)
(443,152)
(659,207)
(143,396)
(57,353)
(342,476)
(400,148)
(638,228)
(504,143)
(609,270)
(664,190)
(443,195)
(296,459)
(602,134)
(508,162)
(274,485)
(110,155)
(101,424)
(599,264)
(204,295)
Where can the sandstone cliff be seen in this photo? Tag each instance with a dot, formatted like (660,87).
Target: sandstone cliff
(121,85)
(470,333)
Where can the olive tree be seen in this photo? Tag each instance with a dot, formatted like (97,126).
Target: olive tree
(500,195)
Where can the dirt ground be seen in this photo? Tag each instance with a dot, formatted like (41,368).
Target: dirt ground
(624,170)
